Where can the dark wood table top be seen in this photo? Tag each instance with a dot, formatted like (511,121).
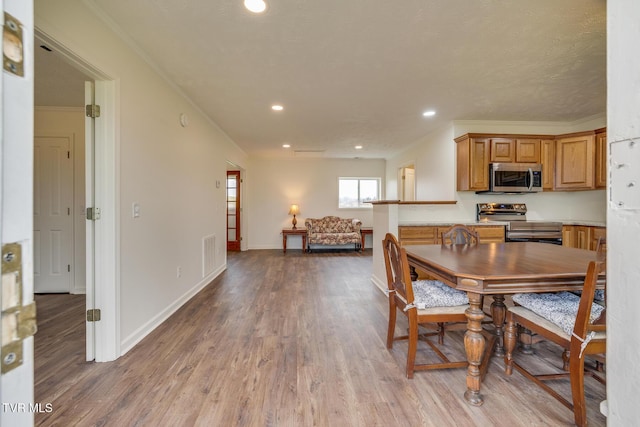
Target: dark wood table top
(503,268)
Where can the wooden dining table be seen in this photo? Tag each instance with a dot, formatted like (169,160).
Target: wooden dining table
(498,269)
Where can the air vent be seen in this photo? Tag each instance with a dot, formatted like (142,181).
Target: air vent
(308,153)
(208,254)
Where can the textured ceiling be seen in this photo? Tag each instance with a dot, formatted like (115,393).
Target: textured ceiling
(356,72)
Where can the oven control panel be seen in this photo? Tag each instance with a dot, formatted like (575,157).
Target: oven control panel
(501,211)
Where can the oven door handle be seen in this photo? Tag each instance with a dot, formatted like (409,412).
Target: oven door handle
(530,186)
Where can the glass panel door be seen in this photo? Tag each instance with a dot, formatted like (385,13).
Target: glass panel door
(233,210)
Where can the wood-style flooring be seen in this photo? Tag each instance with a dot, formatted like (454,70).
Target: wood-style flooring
(277,340)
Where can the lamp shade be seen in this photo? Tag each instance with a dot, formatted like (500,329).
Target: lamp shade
(294,210)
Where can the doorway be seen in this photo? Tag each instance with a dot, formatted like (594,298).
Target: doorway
(233,210)
(407,183)
(62,78)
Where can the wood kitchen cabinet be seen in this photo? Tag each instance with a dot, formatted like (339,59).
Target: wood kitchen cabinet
(490,233)
(576,236)
(570,162)
(527,151)
(520,150)
(575,167)
(548,160)
(597,233)
(432,235)
(472,163)
(503,150)
(417,235)
(582,236)
(601,158)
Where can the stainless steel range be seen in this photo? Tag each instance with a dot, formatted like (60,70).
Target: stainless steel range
(518,228)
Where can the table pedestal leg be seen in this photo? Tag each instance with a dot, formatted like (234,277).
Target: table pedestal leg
(498,313)
(474,344)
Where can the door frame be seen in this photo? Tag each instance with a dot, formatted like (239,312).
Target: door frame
(236,245)
(104,249)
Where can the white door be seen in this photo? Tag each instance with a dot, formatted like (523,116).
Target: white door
(52,214)
(16,199)
(409,192)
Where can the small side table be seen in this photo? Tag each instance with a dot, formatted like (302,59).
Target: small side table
(364,232)
(291,232)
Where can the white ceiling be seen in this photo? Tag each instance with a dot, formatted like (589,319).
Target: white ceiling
(361,72)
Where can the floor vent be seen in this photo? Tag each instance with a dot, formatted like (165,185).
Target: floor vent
(208,254)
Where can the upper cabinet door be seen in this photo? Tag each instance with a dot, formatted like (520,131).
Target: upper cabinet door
(548,160)
(575,169)
(503,150)
(472,163)
(527,150)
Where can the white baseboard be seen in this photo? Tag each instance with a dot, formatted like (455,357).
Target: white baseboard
(140,333)
(382,285)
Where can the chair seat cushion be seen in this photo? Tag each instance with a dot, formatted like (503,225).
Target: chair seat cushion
(559,308)
(434,293)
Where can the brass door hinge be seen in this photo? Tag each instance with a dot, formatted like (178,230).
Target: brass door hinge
(93,214)
(93,315)
(18,321)
(92,111)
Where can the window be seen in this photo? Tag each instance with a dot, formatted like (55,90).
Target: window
(356,192)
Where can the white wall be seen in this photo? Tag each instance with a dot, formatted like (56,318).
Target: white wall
(434,160)
(272,185)
(623,226)
(169,170)
(49,121)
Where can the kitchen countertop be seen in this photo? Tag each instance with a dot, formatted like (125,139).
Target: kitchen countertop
(585,223)
(449,223)
(504,223)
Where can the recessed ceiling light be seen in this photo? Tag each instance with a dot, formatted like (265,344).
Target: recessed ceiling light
(277,107)
(429,113)
(255,6)
(358,147)
(286,146)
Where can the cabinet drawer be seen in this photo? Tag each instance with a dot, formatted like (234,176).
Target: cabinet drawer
(418,235)
(490,234)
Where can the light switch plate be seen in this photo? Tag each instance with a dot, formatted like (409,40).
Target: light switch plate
(135,210)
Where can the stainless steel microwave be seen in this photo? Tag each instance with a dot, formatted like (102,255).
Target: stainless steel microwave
(515,177)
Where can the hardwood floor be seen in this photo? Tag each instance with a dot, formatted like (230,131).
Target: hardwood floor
(276,340)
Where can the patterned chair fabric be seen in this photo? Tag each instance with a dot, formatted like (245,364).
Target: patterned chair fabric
(333,230)
(434,293)
(559,308)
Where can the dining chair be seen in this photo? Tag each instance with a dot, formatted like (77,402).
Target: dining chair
(459,234)
(573,322)
(424,303)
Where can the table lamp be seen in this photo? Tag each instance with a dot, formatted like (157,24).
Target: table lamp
(294,210)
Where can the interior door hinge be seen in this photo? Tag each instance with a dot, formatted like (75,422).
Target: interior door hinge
(92,111)
(18,321)
(93,214)
(93,315)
